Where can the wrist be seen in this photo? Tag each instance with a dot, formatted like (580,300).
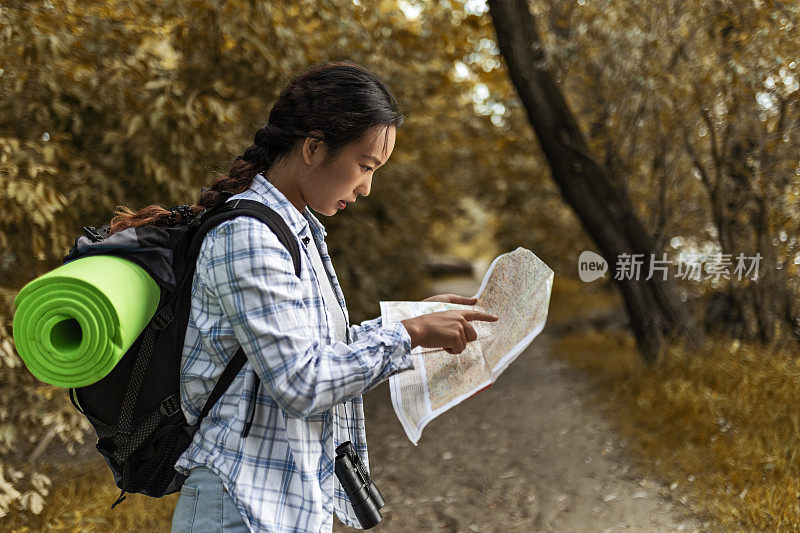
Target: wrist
(412,331)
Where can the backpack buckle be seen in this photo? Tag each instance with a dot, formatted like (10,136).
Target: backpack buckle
(163,318)
(171,405)
(92,233)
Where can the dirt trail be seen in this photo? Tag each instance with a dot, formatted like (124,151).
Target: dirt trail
(527,454)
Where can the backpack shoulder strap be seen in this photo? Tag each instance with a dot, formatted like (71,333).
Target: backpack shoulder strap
(231,371)
(254,209)
(276,223)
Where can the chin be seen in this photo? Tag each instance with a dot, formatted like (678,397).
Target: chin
(330,212)
(327,211)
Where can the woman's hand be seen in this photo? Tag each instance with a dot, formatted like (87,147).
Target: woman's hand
(450,330)
(452,299)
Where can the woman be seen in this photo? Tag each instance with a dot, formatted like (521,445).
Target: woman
(319,150)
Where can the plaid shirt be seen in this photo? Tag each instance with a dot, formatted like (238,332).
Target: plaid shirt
(245,291)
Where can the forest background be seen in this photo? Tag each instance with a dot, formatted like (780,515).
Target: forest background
(693,108)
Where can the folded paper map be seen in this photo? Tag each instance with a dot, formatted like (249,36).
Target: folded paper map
(516,288)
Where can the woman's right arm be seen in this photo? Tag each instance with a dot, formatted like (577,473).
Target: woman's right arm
(357,330)
(252,275)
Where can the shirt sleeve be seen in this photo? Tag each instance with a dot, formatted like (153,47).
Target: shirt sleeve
(359,330)
(253,276)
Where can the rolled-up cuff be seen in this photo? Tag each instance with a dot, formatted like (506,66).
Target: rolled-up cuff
(400,359)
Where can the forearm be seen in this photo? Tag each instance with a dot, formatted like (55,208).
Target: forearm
(325,375)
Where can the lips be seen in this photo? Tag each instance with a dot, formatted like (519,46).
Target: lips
(344,203)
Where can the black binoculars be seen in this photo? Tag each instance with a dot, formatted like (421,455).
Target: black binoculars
(364,496)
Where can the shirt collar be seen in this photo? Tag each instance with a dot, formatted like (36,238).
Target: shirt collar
(300,223)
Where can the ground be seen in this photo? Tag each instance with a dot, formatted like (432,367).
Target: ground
(530,453)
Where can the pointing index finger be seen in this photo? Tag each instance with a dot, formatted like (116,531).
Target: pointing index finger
(478,315)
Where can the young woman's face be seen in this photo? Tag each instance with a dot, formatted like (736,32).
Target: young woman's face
(346,176)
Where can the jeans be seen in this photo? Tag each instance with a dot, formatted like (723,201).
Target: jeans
(204,506)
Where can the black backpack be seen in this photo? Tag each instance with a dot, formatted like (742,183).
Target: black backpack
(136,409)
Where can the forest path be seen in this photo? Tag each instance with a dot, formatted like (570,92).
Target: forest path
(530,453)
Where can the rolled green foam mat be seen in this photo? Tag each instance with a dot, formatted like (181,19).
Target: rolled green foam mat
(73,324)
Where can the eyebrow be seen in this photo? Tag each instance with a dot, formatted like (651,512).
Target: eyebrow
(373,158)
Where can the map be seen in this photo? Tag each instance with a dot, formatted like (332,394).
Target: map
(517,289)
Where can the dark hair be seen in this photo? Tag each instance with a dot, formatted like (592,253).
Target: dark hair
(340,99)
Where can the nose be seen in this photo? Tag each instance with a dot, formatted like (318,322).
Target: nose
(364,188)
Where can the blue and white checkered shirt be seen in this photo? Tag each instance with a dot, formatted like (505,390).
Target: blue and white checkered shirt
(245,291)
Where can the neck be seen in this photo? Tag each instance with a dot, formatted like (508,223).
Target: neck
(285,182)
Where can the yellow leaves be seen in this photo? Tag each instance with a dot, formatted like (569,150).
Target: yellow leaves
(308,26)
(160,47)
(134,125)
(49,153)
(227,43)
(32,500)
(223,89)
(387,6)
(155,169)
(26,196)
(38,202)
(218,108)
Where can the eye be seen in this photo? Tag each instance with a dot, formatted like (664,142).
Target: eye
(367,169)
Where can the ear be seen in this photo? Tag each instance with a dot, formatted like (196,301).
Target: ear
(313,147)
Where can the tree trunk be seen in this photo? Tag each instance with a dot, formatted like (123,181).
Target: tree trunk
(605,211)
